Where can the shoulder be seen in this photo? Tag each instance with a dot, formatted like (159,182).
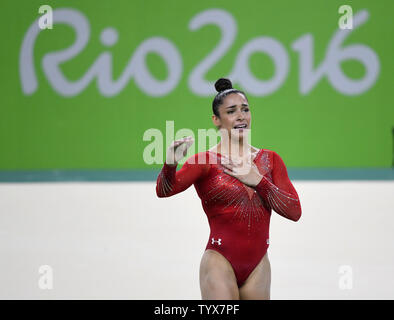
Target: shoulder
(277,160)
(265,153)
(271,153)
(270,158)
(199,162)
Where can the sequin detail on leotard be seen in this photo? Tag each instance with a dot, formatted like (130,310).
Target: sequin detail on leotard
(248,206)
(238,215)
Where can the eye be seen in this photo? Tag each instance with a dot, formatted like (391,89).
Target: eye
(231,111)
(246,109)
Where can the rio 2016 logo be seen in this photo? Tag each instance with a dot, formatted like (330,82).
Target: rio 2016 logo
(137,70)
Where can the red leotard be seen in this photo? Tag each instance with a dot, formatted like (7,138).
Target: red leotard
(238,215)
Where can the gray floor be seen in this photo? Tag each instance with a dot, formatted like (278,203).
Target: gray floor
(119,241)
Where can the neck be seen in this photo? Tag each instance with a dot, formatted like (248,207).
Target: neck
(234,147)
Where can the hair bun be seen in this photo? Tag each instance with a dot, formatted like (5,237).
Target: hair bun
(223,84)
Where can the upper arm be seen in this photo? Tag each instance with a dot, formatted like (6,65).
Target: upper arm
(190,173)
(280,176)
(171,182)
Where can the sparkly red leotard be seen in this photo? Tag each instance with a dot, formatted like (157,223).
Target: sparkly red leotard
(238,215)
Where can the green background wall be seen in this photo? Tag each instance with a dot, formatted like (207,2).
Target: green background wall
(322,128)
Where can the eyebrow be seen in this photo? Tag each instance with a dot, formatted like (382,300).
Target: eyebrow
(243,105)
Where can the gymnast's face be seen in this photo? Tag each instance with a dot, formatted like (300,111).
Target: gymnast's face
(234,115)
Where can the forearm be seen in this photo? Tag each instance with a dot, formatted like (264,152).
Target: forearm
(166,181)
(170,181)
(284,203)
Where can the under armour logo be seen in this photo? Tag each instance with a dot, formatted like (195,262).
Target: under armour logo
(218,241)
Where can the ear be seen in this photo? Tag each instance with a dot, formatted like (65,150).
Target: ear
(216,121)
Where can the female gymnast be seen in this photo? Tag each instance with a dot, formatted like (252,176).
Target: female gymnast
(239,185)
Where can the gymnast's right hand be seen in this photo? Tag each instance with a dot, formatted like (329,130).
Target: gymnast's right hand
(178,149)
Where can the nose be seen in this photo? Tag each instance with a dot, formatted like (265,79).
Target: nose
(240,115)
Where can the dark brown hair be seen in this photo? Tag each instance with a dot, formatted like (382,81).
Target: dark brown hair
(224,87)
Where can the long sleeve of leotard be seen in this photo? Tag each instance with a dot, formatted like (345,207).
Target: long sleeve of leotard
(280,193)
(170,181)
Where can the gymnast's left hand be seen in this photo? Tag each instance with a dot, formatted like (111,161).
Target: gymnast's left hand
(245,171)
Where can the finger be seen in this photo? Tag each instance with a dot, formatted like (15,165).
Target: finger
(232,161)
(228,166)
(179,143)
(183,140)
(189,138)
(190,141)
(226,160)
(230,173)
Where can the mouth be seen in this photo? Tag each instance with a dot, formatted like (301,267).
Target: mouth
(240,126)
